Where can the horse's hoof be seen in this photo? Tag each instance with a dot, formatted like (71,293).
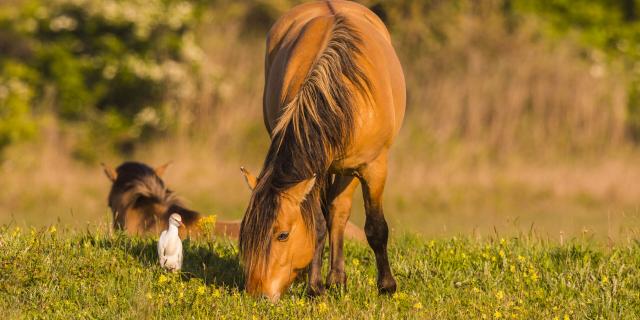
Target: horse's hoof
(315,290)
(336,279)
(387,286)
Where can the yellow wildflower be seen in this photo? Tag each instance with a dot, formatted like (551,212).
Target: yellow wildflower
(207,223)
(497,315)
(162,279)
(399,296)
(417,306)
(355,262)
(201,289)
(500,295)
(322,307)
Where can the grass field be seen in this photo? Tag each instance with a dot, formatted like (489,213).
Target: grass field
(54,273)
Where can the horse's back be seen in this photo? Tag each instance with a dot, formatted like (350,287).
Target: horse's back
(300,36)
(289,25)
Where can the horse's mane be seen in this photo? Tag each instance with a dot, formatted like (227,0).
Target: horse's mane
(136,183)
(312,130)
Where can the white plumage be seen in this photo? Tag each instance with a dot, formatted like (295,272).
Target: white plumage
(170,245)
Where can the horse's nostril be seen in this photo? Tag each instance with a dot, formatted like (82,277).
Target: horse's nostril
(272,298)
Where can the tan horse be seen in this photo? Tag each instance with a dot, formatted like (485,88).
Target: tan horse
(334,101)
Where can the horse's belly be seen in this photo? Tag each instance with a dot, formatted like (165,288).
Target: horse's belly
(365,147)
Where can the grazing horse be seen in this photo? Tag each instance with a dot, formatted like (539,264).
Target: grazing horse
(140,202)
(334,101)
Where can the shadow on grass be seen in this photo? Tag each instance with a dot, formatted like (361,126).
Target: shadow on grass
(214,262)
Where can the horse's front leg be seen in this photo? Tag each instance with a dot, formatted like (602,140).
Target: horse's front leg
(373,177)
(314,285)
(339,212)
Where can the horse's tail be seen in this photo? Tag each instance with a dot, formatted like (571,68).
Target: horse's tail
(321,115)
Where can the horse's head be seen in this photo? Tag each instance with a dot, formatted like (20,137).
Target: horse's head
(276,241)
(132,170)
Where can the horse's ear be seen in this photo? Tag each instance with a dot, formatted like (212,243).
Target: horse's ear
(161,169)
(250,178)
(111,174)
(300,191)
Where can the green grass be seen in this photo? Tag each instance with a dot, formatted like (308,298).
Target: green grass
(46,273)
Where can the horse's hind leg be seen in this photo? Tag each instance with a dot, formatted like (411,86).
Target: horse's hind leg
(341,197)
(373,177)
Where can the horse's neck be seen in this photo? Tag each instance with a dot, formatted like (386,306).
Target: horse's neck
(295,160)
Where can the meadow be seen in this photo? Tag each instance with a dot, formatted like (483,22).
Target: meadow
(69,274)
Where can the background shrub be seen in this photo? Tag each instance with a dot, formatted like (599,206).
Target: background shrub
(120,66)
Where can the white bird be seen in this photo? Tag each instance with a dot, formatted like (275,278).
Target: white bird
(170,245)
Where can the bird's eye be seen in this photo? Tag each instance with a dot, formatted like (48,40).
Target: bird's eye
(283,236)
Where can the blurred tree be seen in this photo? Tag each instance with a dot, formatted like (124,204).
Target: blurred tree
(122,66)
(605,27)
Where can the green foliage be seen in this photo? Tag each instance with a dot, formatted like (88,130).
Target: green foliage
(611,28)
(99,58)
(52,274)
(16,96)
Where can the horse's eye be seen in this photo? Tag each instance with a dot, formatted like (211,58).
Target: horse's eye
(283,236)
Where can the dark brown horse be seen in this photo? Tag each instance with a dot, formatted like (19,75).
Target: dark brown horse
(141,203)
(334,101)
